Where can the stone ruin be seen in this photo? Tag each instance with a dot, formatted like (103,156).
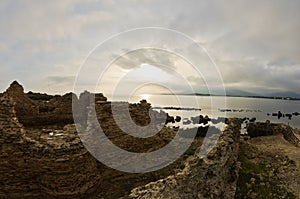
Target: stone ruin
(33,113)
(42,155)
(54,166)
(258,129)
(46,159)
(214,176)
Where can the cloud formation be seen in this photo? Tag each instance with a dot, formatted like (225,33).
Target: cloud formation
(254,43)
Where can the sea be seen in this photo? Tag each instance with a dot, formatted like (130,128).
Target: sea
(261,109)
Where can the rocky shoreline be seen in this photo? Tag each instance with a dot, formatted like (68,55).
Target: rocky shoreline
(42,155)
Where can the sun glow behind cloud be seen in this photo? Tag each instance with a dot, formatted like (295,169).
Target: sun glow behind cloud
(38,36)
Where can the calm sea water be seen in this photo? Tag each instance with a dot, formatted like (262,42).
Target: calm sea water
(214,106)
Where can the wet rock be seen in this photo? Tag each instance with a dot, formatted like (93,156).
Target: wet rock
(200,120)
(186,121)
(289,116)
(178,119)
(218,120)
(279,115)
(170,119)
(252,119)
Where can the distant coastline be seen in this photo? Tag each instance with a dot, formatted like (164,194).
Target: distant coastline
(243,96)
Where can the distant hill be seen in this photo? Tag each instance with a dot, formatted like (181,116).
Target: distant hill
(241,93)
(235,92)
(284,94)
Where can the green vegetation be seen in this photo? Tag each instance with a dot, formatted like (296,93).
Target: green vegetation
(189,151)
(257,180)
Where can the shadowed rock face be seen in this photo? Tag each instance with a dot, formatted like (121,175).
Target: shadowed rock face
(51,162)
(41,161)
(258,129)
(36,113)
(214,176)
(24,106)
(56,166)
(57,111)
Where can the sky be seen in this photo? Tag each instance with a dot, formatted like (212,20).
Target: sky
(254,45)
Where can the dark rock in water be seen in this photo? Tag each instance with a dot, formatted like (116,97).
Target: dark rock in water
(225,110)
(252,119)
(218,120)
(289,115)
(177,108)
(268,114)
(296,113)
(170,119)
(200,119)
(178,119)
(280,115)
(186,121)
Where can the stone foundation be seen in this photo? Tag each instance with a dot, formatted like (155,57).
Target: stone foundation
(54,166)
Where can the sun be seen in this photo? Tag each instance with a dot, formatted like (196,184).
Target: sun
(146,96)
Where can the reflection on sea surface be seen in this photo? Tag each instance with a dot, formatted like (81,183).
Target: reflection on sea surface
(214,107)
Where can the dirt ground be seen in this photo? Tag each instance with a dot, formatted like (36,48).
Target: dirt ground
(270,168)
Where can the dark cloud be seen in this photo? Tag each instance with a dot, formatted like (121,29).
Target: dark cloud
(254,43)
(160,58)
(61,79)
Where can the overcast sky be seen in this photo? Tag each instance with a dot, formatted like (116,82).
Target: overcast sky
(254,44)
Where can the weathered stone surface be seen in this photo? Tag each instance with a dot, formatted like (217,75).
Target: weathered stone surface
(52,162)
(214,176)
(269,169)
(54,166)
(46,158)
(266,129)
(24,106)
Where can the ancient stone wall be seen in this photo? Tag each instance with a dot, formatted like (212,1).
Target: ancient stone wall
(214,176)
(256,129)
(57,111)
(17,174)
(56,165)
(24,106)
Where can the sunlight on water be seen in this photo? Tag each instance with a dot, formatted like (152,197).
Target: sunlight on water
(236,107)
